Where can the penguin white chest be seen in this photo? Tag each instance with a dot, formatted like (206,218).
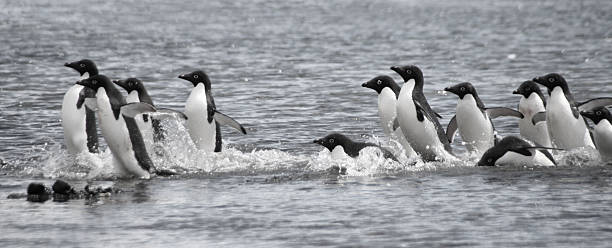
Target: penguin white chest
(517,159)
(565,130)
(474,127)
(537,133)
(387,109)
(338,153)
(201,131)
(132,97)
(603,139)
(73,121)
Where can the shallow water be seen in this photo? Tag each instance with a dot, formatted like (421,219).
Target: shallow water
(291,72)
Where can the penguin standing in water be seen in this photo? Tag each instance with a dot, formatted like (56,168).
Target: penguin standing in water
(566,127)
(119,127)
(388,91)
(602,133)
(79,122)
(418,122)
(341,146)
(203,128)
(532,102)
(473,120)
(513,150)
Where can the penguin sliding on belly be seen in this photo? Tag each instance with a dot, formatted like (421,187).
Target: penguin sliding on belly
(418,122)
(566,127)
(203,118)
(532,102)
(79,122)
(388,91)
(602,133)
(341,146)
(515,151)
(473,120)
(119,127)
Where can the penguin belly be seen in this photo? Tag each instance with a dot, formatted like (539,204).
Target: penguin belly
(603,139)
(117,137)
(145,127)
(202,132)
(338,153)
(537,133)
(565,131)
(73,121)
(421,135)
(517,159)
(387,111)
(474,127)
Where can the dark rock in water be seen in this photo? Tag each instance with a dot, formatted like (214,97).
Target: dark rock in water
(99,191)
(166,173)
(336,170)
(61,187)
(16,196)
(37,192)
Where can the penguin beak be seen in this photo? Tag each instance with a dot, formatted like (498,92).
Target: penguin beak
(516,92)
(364,85)
(318,141)
(451,90)
(588,114)
(395,69)
(80,82)
(539,80)
(183,76)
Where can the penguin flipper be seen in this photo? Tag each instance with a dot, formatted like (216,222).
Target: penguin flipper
(132,109)
(548,155)
(419,110)
(451,129)
(594,103)
(172,112)
(91,103)
(503,111)
(538,117)
(229,121)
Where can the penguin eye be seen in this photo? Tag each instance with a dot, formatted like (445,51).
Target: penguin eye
(489,160)
(94,82)
(331,141)
(131,84)
(82,65)
(551,79)
(379,82)
(598,112)
(408,71)
(195,76)
(462,89)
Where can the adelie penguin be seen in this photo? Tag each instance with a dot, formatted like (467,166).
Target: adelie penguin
(473,119)
(532,102)
(418,122)
(514,151)
(79,122)
(203,118)
(566,127)
(602,133)
(119,127)
(388,91)
(341,146)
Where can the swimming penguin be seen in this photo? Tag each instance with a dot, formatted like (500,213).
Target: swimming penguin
(388,91)
(341,146)
(566,127)
(512,150)
(119,127)
(473,119)
(418,122)
(204,129)
(79,123)
(149,126)
(532,102)
(602,133)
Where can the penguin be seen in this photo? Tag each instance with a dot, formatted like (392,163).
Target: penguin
(204,129)
(602,132)
(341,146)
(78,122)
(566,127)
(388,91)
(149,126)
(473,119)
(418,122)
(532,102)
(512,150)
(119,127)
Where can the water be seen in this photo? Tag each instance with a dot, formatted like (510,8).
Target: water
(291,72)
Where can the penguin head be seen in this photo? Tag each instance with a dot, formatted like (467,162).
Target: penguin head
(527,88)
(83,66)
(490,157)
(332,140)
(95,82)
(409,72)
(196,78)
(462,89)
(130,84)
(597,114)
(379,83)
(552,80)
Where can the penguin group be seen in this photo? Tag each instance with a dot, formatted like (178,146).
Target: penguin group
(131,125)
(545,126)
